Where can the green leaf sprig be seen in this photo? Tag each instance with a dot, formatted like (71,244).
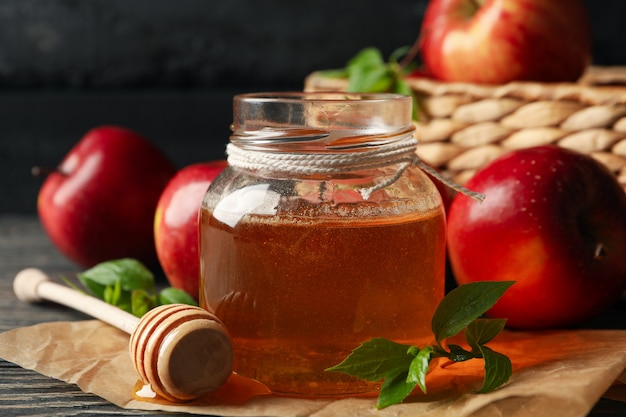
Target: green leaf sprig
(368,72)
(126,283)
(403,367)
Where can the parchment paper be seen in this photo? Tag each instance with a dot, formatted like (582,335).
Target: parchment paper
(557,373)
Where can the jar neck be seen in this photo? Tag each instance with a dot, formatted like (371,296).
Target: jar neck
(319,122)
(326,133)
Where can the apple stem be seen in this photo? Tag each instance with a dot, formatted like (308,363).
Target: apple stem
(600,251)
(415,48)
(38,171)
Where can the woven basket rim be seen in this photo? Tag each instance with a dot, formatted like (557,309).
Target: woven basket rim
(599,85)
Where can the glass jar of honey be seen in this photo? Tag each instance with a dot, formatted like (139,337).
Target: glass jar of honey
(320,235)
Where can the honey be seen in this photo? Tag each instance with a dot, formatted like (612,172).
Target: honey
(298,295)
(321,234)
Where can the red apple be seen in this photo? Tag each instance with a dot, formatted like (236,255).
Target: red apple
(497,41)
(99,204)
(554,221)
(176,224)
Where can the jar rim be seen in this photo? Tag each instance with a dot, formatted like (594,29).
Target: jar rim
(319,121)
(320,96)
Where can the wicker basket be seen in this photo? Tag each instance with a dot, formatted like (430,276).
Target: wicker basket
(464,126)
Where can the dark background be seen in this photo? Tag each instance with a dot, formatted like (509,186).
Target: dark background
(169,68)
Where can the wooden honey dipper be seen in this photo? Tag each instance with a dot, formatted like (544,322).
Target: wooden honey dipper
(182,351)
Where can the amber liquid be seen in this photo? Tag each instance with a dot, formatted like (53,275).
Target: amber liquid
(298,296)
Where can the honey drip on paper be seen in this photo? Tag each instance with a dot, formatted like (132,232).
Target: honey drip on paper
(236,390)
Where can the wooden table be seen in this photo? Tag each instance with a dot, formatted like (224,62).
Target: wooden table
(27,393)
(24,392)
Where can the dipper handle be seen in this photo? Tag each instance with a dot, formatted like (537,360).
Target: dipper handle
(33,285)
(181,351)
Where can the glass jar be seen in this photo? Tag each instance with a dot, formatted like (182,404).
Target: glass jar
(320,235)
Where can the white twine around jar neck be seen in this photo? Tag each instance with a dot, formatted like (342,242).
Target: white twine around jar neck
(400,152)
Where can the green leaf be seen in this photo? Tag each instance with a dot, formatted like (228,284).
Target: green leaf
(498,369)
(94,285)
(483,331)
(403,367)
(394,390)
(116,294)
(458,354)
(402,87)
(376,359)
(101,274)
(131,274)
(465,304)
(366,58)
(419,368)
(371,80)
(134,275)
(129,285)
(367,72)
(173,295)
(108,295)
(141,302)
